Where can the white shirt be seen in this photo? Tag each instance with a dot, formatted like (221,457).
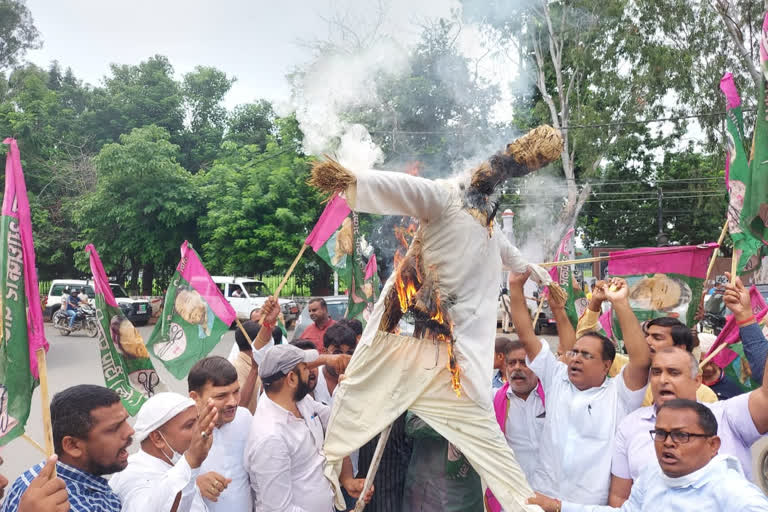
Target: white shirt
(634,449)
(284,457)
(149,483)
(577,442)
(325,397)
(226,458)
(523,428)
(720,486)
(468,263)
(258,354)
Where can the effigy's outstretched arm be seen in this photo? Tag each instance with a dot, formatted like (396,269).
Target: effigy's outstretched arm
(382,192)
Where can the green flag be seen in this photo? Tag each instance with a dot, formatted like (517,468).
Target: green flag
(195,316)
(124,358)
(21,317)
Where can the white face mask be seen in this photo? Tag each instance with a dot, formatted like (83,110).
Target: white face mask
(175,456)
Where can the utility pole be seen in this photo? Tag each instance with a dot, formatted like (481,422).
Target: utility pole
(661,238)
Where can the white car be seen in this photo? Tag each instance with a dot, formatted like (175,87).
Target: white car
(246,294)
(138,311)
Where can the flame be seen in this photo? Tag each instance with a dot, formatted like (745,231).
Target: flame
(414,168)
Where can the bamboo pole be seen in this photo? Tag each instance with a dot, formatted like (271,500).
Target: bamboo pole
(374,467)
(42,368)
(734,266)
(33,443)
(713,259)
(538,311)
(242,330)
(290,270)
(573,262)
(712,355)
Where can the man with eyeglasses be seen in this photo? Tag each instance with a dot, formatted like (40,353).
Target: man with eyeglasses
(583,406)
(675,374)
(689,475)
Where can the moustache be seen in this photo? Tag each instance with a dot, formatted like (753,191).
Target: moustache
(517,374)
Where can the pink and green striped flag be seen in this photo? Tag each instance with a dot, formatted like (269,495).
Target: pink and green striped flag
(333,237)
(21,316)
(195,316)
(124,357)
(577,302)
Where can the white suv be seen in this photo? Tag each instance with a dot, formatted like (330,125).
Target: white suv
(245,294)
(136,310)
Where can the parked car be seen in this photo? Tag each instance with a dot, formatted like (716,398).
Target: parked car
(714,314)
(136,310)
(246,294)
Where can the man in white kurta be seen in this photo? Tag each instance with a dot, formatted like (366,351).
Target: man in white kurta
(390,373)
(152,481)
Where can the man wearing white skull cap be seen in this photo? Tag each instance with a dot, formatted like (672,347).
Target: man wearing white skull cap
(174,443)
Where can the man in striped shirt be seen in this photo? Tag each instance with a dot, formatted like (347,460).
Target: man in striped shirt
(91,436)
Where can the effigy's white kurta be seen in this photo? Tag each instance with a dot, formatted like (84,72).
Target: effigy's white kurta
(389,374)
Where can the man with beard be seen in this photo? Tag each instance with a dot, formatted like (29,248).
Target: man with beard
(174,443)
(91,436)
(583,406)
(313,372)
(338,339)
(223,480)
(284,453)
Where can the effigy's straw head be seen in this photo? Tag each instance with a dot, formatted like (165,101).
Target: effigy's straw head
(537,148)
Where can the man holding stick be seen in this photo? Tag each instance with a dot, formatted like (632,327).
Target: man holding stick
(448,280)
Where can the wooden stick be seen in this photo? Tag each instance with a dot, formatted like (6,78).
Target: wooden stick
(374,467)
(712,355)
(538,312)
(734,266)
(713,259)
(573,262)
(290,270)
(33,443)
(42,368)
(242,330)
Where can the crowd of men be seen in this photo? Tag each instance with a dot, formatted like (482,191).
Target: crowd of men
(591,429)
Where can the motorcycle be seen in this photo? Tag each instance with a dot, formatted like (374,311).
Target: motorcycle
(85,319)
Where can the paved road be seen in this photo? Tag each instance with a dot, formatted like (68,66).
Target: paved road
(75,360)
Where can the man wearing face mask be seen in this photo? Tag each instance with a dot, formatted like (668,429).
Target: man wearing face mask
(174,444)
(284,453)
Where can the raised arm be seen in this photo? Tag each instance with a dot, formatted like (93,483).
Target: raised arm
(736,298)
(565,330)
(636,371)
(591,317)
(520,316)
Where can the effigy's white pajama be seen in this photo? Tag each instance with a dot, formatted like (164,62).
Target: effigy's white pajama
(390,374)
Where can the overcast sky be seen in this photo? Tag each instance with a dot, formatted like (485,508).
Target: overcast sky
(256,41)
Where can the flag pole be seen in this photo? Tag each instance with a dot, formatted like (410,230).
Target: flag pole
(714,253)
(34,443)
(242,330)
(42,368)
(290,270)
(373,468)
(734,266)
(712,355)
(538,311)
(573,262)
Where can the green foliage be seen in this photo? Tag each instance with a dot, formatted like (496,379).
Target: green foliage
(17,32)
(259,208)
(144,205)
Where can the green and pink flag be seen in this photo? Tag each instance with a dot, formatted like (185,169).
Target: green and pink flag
(577,302)
(731,359)
(333,238)
(124,358)
(21,315)
(195,316)
(747,174)
(663,281)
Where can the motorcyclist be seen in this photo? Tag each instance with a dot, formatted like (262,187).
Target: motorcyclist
(73,301)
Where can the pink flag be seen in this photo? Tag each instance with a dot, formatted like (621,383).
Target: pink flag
(192,270)
(562,253)
(334,214)
(730,332)
(100,280)
(16,205)
(370,267)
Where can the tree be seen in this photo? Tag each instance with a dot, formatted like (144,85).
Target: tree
(136,96)
(251,123)
(17,32)
(204,90)
(258,207)
(143,208)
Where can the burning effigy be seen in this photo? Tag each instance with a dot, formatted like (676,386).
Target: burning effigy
(446,283)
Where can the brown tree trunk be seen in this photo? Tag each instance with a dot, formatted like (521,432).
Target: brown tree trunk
(147,278)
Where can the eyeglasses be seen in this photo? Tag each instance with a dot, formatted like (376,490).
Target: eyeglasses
(660,435)
(586,355)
